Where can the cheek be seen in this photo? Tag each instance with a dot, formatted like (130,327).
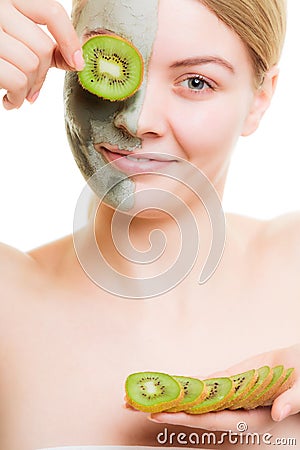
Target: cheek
(207,129)
(92,120)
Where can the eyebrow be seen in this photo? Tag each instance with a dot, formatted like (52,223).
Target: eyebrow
(188,62)
(196,61)
(97,32)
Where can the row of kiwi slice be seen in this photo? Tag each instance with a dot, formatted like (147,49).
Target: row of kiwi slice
(159,392)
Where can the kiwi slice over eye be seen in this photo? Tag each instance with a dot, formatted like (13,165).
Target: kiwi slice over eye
(265,375)
(219,391)
(286,384)
(194,392)
(113,67)
(269,391)
(152,391)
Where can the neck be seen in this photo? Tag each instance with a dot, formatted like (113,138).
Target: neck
(149,243)
(153,250)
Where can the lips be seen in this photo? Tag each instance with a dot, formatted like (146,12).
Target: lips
(135,163)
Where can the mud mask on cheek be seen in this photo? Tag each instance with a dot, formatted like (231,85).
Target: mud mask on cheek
(90,120)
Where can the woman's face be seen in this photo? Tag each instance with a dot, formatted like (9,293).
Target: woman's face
(197,97)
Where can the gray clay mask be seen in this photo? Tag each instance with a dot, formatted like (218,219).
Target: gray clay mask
(91,120)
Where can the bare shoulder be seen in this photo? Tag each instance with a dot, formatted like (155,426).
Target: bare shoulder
(280,255)
(279,233)
(283,235)
(270,244)
(14,266)
(23,273)
(52,257)
(246,231)
(16,274)
(27,282)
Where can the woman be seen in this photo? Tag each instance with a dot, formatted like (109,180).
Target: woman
(67,344)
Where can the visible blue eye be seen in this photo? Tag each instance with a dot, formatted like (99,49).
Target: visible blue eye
(196,83)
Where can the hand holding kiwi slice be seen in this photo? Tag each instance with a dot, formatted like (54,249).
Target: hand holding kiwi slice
(159,392)
(113,67)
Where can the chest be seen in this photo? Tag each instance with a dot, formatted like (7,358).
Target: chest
(66,359)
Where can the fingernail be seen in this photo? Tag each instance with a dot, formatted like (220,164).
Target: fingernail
(33,97)
(285,412)
(78,60)
(7,104)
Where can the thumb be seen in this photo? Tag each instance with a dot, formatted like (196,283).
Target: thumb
(287,404)
(59,62)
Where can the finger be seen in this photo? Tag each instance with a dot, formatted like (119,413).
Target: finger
(15,82)
(287,404)
(285,355)
(26,33)
(242,366)
(46,53)
(256,421)
(20,56)
(262,359)
(129,408)
(54,16)
(58,60)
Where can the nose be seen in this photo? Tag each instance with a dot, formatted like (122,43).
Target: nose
(144,113)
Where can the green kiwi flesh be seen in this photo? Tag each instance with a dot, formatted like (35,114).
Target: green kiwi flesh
(242,383)
(286,384)
(152,391)
(113,67)
(219,390)
(270,389)
(264,378)
(159,392)
(194,392)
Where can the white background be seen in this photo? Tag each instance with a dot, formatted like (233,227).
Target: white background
(40,183)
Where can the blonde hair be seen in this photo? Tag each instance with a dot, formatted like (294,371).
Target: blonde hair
(260,24)
(77,6)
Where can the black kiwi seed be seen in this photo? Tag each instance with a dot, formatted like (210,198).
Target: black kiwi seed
(113,67)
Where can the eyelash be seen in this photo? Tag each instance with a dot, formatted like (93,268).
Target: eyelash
(203,80)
